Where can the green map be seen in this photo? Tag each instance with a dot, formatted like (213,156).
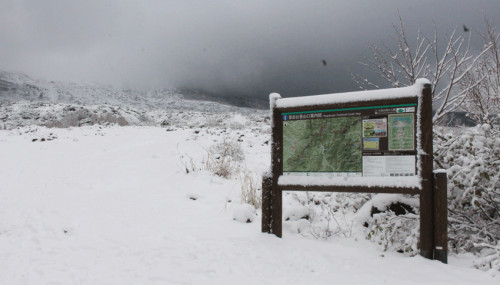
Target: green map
(401,132)
(322,145)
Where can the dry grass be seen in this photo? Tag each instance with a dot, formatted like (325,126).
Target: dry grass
(250,190)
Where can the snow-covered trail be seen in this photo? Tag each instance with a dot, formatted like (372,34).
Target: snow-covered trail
(113,206)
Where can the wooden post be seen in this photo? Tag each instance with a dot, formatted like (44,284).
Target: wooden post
(266,203)
(276,166)
(276,222)
(426,166)
(441,217)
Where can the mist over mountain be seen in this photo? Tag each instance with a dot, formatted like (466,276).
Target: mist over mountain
(27,101)
(18,86)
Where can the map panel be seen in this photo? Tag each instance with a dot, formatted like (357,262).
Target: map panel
(322,145)
(401,132)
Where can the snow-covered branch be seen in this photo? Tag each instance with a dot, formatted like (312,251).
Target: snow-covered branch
(448,67)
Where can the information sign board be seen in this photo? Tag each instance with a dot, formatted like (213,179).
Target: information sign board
(355,141)
(376,141)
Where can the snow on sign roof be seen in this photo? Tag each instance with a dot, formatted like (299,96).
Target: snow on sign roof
(393,93)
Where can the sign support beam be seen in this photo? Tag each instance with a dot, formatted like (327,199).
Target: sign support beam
(441,217)
(426,173)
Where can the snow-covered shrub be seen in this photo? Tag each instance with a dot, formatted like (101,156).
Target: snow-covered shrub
(472,160)
(237,122)
(490,257)
(109,118)
(298,212)
(328,214)
(329,221)
(228,148)
(224,158)
(392,221)
(395,233)
(214,121)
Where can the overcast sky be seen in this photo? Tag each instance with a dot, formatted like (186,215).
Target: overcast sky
(231,47)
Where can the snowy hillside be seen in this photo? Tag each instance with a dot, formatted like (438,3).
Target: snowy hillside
(19,87)
(25,101)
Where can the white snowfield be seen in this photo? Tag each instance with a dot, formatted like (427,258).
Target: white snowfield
(115,205)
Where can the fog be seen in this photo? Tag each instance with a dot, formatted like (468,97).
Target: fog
(249,48)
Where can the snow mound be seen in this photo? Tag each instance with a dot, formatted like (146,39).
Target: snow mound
(244,213)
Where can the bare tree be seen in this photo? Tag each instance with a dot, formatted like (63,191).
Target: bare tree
(482,102)
(444,66)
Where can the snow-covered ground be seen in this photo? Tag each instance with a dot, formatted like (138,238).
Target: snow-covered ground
(115,205)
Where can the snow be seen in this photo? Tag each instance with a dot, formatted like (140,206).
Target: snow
(273,97)
(407,181)
(486,127)
(405,92)
(381,202)
(114,205)
(244,213)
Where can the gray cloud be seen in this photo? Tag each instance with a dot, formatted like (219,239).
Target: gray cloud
(232,47)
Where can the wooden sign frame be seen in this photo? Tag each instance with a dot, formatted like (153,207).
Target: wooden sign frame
(433,212)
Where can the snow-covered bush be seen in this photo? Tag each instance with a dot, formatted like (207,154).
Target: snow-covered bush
(395,233)
(330,221)
(472,159)
(228,148)
(392,221)
(214,121)
(490,257)
(224,157)
(237,122)
(328,214)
